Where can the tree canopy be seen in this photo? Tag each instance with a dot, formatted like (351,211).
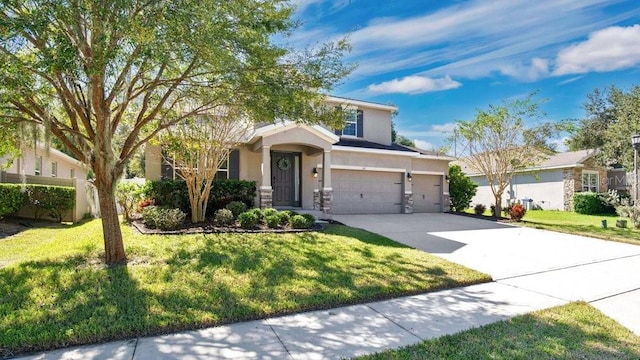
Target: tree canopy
(613,117)
(105,77)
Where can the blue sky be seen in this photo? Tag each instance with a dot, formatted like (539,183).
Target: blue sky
(439,61)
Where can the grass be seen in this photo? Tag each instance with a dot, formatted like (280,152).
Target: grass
(55,290)
(573,331)
(579,224)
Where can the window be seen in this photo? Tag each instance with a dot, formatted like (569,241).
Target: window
(590,181)
(223,171)
(38,166)
(72,173)
(54,169)
(352,124)
(230,169)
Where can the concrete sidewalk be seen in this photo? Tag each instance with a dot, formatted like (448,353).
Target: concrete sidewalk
(331,334)
(533,269)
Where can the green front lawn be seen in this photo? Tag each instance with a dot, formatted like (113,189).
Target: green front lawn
(588,225)
(55,290)
(574,331)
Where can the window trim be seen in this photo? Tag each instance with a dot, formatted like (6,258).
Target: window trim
(588,187)
(54,169)
(38,166)
(352,118)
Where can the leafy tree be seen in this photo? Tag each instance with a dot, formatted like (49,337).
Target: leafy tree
(105,77)
(399,139)
(625,112)
(461,189)
(498,143)
(591,131)
(9,143)
(199,147)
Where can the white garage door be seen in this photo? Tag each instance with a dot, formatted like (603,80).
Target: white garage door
(366,192)
(426,193)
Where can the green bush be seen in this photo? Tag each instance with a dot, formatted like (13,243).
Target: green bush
(54,201)
(162,218)
(283,218)
(225,191)
(237,208)
(248,220)
(269,211)
(291,213)
(299,222)
(590,203)
(12,197)
(223,217)
(461,189)
(169,193)
(258,213)
(272,221)
(310,219)
(128,195)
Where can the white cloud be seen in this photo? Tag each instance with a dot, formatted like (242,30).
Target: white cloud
(414,85)
(447,127)
(424,145)
(610,49)
(538,68)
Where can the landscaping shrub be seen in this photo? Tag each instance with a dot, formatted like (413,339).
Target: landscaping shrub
(272,221)
(590,203)
(128,195)
(299,222)
(174,193)
(310,219)
(248,220)
(269,211)
(516,212)
(162,218)
(479,209)
(258,212)
(461,189)
(283,218)
(223,217)
(291,213)
(169,193)
(237,208)
(12,197)
(54,201)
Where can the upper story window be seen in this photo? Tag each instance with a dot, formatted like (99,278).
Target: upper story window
(38,166)
(54,169)
(72,173)
(353,124)
(590,181)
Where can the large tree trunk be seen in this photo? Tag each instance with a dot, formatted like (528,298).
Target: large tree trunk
(113,245)
(498,205)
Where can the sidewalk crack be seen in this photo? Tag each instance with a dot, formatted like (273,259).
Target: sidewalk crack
(281,342)
(135,347)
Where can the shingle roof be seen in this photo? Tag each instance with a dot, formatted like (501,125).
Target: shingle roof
(558,160)
(371,145)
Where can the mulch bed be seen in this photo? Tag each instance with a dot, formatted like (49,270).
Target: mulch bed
(208,227)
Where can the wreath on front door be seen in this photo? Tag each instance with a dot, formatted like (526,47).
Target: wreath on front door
(284,164)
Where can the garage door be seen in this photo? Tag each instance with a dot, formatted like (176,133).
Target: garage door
(366,192)
(426,193)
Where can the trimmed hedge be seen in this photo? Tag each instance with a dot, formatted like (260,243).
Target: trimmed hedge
(12,197)
(54,201)
(590,203)
(174,194)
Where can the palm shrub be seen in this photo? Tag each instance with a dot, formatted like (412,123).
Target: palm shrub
(479,209)
(517,212)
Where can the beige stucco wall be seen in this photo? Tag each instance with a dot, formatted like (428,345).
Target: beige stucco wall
(377,126)
(377,160)
(26,164)
(418,164)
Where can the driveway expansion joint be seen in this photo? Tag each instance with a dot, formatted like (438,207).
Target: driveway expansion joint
(281,342)
(614,295)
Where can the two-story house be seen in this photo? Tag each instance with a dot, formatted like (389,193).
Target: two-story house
(355,170)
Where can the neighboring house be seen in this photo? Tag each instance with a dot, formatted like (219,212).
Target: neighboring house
(550,185)
(356,170)
(51,167)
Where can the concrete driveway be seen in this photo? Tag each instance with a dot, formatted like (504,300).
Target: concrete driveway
(567,267)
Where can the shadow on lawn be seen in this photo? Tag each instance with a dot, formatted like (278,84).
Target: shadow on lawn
(207,280)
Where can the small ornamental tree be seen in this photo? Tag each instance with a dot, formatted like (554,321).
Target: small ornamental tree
(461,189)
(199,147)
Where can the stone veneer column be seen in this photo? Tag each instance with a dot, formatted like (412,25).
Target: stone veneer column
(327,191)
(407,200)
(316,200)
(266,191)
(408,203)
(446,198)
(568,179)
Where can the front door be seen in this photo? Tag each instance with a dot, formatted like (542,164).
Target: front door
(284,168)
